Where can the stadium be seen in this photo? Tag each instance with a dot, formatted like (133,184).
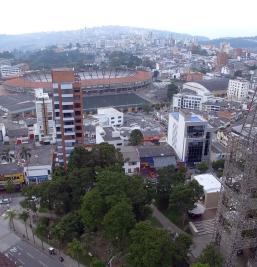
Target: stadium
(101,87)
(94,82)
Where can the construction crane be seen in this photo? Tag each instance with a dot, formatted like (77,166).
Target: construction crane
(236,221)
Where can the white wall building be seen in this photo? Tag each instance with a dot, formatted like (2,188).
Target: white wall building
(7,71)
(109,135)
(2,132)
(190,136)
(109,117)
(45,126)
(131,158)
(39,167)
(187,101)
(238,89)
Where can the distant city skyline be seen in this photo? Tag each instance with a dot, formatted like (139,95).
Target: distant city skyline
(212,19)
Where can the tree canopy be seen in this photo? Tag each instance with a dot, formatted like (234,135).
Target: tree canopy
(136,137)
(211,256)
(171,90)
(184,196)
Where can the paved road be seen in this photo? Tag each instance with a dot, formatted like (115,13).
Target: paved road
(25,255)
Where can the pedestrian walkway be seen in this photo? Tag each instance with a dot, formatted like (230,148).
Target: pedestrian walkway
(199,242)
(204,227)
(21,231)
(165,222)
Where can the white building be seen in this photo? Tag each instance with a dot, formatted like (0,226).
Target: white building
(109,135)
(45,126)
(190,136)
(39,168)
(131,158)
(109,117)
(7,71)
(187,101)
(2,132)
(211,187)
(238,89)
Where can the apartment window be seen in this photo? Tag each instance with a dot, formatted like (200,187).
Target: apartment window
(77,113)
(57,114)
(56,106)
(194,153)
(195,131)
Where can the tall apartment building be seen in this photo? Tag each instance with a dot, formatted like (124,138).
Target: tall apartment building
(68,109)
(190,136)
(45,127)
(238,89)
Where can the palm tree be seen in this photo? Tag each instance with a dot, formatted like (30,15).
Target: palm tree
(75,248)
(26,155)
(10,215)
(24,217)
(58,234)
(41,231)
(6,155)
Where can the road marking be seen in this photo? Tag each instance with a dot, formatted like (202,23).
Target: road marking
(31,256)
(10,253)
(21,262)
(19,248)
(42,263)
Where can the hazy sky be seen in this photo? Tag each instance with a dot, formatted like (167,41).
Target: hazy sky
(212,18)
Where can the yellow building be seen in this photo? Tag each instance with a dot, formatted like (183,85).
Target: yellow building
(13,172)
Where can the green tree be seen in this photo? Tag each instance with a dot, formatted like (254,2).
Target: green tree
(5,155)
(138,196)
(71,226)
(210,255)
(112,186)
(105,155)
(118,221)
(184,196)
(171,90)
(10,186)
(41,232)
(24,217)
(96,263)
(149,246)
(201,265)
(75,248)
(58,232)
(168,178)
(92,209)
(26,155)
(147,108)
(218,164)
(180,249)
(11,215)
(202,167)
(136,137)
(80,158)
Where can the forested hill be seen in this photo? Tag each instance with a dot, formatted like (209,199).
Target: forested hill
(42,39)
(238,42)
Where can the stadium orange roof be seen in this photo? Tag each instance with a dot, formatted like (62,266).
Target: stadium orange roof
(139,76)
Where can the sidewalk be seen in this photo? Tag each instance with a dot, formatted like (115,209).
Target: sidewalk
(165,222)
(20,231)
